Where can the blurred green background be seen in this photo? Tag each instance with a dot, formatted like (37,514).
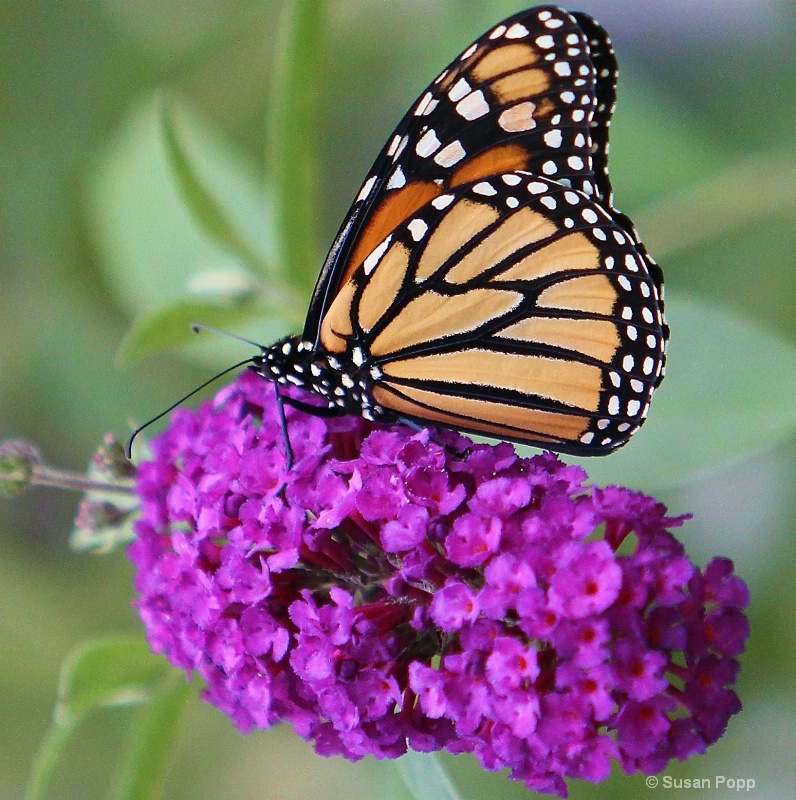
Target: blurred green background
(702,158)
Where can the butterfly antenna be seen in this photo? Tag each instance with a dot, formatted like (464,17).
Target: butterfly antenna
(200,326)
(129,448)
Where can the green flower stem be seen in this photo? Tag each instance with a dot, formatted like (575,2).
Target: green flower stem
(291,129)
(43,475)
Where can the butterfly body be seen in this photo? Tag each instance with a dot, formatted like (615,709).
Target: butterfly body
(482,278)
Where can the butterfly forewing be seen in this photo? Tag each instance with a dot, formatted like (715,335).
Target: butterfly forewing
(522,96)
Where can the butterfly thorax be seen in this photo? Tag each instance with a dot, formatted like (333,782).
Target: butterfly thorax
(343,382)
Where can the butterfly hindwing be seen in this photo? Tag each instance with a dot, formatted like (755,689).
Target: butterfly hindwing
(514,307)
(522,96)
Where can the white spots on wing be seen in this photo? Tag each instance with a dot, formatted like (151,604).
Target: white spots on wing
(562,69)
(613,405)
(646,315)
(624,282)
(443,201)
(397,146)
(427,144)
(631,263)
(637,386)
(451,154)
(587,438)
(549,167)
(627,313)
(553,138)
(510,179)
(567,97)
(498,32)
(517,31)
(469,51)
(619,237)
(599,233)
(575,162)
(512,202)
(628,362)
(367,188)
(616,379)
(358,356)
(485,189)
(473,106)
(589,216)
(578,115)
(652,341)
(573,38)
(418,229)
(397,179)
(459,90)
(633,407)
(371,262)
(537,187)
(518,118)
(609,262)
(645,289)
(569,222)
(648,365)
(423,105)
(548,202)
(545,42)
(632,333)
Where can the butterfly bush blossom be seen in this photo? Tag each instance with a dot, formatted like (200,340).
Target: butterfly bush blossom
(399,589)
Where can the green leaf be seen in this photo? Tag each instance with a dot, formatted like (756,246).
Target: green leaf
(292,135)
(748,191)
(149,754)
(116,671)
(728,394)
(170,327)
(205,207)
(107,672)
(425,777)
(150,244)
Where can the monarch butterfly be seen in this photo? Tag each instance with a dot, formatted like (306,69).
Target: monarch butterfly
(482,278)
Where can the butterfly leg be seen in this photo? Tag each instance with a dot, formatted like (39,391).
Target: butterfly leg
(280,407)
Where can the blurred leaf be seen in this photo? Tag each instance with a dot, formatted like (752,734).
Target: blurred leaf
(292,133)
(149,755)
(736,197)
(150,244)
(728,394)
(658,145)
(425,777)
(206,209)
(171,326)
(107,672)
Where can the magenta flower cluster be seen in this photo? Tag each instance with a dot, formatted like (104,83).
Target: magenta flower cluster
(392,591)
